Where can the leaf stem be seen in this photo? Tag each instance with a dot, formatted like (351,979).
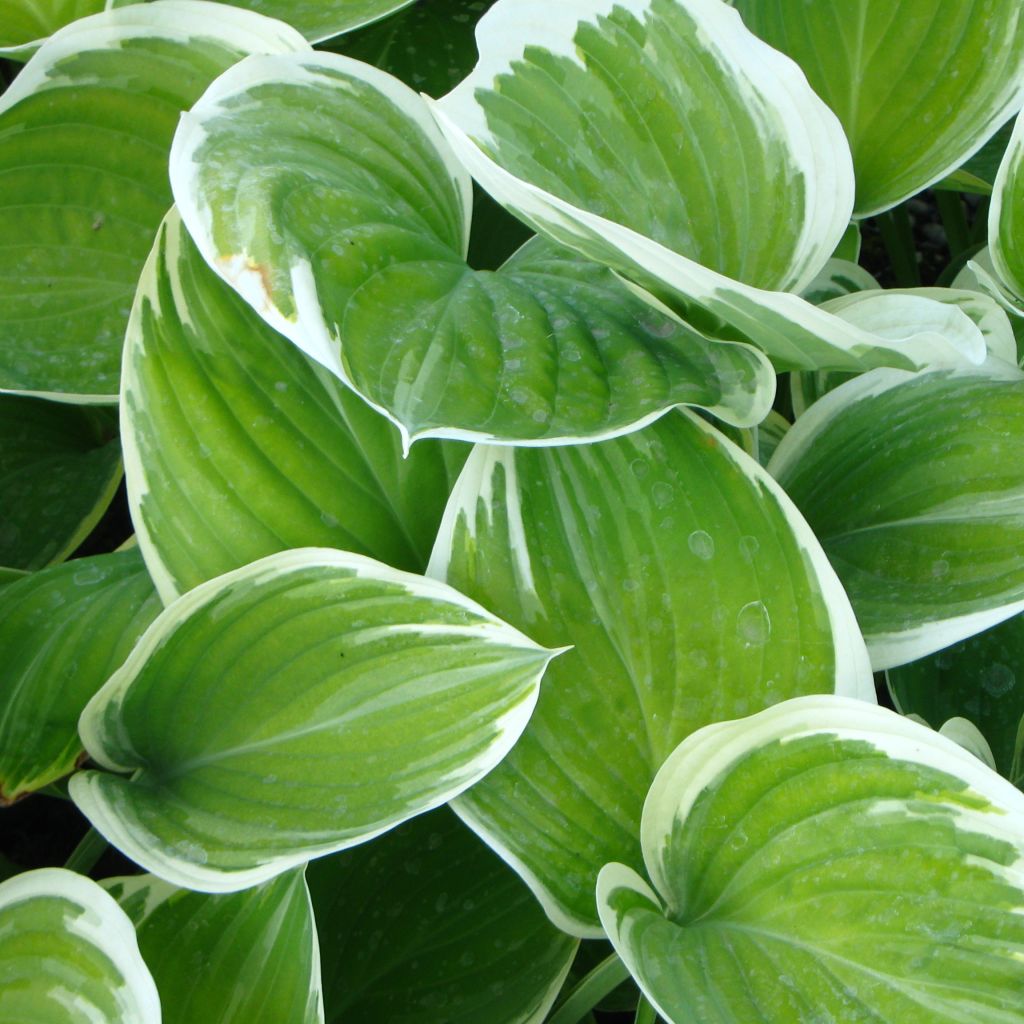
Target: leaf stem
(84,856)
(954,220)
(591,989)
(645,1013)
(898,237)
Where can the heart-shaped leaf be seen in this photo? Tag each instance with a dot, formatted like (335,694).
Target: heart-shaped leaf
(270,452)
(704,110)
(691,591)
(63,632)
(924,521)
(918,86)
(825,860)
(68,954)
(426,924)
(231,959)
(60,466)
(297,706)
(356,254)
(85,130)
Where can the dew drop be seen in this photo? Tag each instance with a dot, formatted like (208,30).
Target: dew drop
(661,495)
(998,680)
(702,545)
(753,626)
(749,547)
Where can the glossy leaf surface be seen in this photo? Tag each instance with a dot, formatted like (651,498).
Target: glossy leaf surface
(356,254)
(923,520)
(918,86)
(84,135)
(1006,217)
(59,468)
(319,20)
(269,451)
(233,959)
(297,706)
(427,924)
(63,632)
(68,954)
(825,860)
(26,24)
(691,591)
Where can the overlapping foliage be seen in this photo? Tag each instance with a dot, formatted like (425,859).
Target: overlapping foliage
(506,424)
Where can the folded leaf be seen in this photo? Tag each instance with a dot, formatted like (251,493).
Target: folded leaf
(825,860)
(63,632)
(297,706)
(691,591)
(59,469)
(232,959)
(269,453)
(68,954)
(355,252)
(85,131)
(1006,217)
(918,86)
(924,519)
(663,139)
(427,924)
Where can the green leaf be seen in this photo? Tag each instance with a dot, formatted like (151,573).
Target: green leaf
(269,451)
(68,954)
(825,860)
(297,706)
(691,591)
(703,109)
(923,521)
(849,245)
(59,469)
(27,23)
(85,130)
(63,632)
(426,924)
(918,86)
(362,267)
(319,20)
(233,959)
(1006,218)
(980,679)
(985,163)
(836,278)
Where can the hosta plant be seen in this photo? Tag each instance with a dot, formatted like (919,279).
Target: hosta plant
(569,565)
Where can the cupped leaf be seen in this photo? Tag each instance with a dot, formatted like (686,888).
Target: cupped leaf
(836,278)
(297,706)
(825,860)
(426,924)
(356,254)
(918,86)
(85,130)
(27,23)
(59,469)
(68,954)
(319,20)
(663,139)
(1006,218)
(980,679)
(232,959)
(923,520)
(63,632)
(691,591)
(269,451)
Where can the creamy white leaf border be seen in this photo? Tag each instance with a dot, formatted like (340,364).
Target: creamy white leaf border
(1010,164)
(101,711)
(101,923)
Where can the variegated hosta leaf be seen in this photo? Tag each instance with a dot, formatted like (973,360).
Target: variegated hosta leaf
(825,860)
(426,924)
(232,959)
(25,24)
(836,278)
(59,469)
(980,679)
(663,139)
(85,130)
(269,451)
(1006,218)
(297,706)
(691,591)
(924,520)
(68,954)
(319,20)
(978,174)
(63,631)
(355,252)
(918,86)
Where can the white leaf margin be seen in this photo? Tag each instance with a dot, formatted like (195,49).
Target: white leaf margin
(1012,163)
(102,744)
(892,649)
(102,924)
